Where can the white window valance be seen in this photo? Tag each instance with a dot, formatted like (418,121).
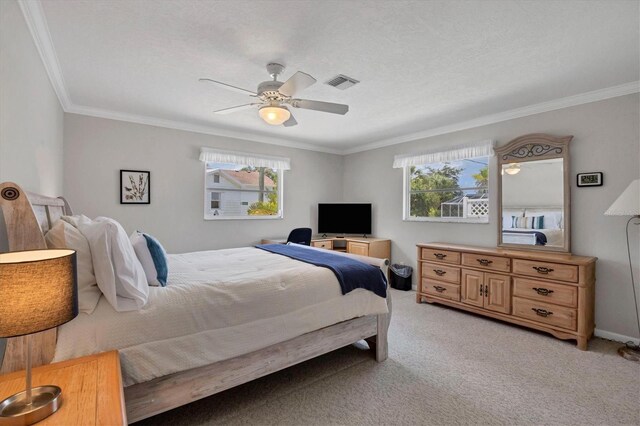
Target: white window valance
(460,152)
(244,158)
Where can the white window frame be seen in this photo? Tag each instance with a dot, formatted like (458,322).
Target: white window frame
(406,210)
(207,191)
(212,200)
(479,149)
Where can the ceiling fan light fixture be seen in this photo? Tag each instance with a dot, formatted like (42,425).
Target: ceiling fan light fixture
(512,169)
(274,115)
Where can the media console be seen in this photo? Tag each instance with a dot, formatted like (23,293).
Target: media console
(363,246)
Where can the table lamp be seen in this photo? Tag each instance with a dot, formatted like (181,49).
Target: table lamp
(628,204)
(38,291)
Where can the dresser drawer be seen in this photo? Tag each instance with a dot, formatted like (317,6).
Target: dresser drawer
(435,271)
(494,263)
(546,270)
(358,248)
(441,289)
(326,244)
(545,313)
(445,256)
(565,295)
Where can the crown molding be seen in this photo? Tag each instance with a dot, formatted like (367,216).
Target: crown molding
(569,101)
(37,24)
(195,128)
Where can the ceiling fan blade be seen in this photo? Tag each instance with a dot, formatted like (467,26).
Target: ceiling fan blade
(320,106)
(296,83)
(230,87)
(235,109)
(290,122)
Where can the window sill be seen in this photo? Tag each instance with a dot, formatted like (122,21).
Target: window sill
(484,221)
(243,218)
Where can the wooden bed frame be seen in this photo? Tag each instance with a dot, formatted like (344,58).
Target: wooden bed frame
(29,216)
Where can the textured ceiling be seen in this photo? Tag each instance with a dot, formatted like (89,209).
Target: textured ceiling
(422,64)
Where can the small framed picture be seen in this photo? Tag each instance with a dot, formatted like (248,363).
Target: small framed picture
(135,187)
(590,179)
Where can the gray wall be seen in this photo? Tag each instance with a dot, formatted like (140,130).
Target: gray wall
(31,118)
(95,149)
(606,139)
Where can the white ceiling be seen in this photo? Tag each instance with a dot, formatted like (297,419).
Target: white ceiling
(422,64)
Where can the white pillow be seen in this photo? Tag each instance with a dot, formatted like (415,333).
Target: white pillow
(552,218)
(118,272)
(507,217)
(63,235)
(154,264)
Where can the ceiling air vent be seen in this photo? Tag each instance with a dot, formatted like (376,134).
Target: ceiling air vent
(342,82)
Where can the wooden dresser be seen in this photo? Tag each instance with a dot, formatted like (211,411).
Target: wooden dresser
(551,292)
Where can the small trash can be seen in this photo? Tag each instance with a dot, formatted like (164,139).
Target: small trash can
(401,276)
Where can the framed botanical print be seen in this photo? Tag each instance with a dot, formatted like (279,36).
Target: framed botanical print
(135,187)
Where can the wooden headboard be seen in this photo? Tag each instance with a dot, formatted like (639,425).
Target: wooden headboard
(27,218)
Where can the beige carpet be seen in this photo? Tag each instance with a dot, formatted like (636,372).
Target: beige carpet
(444,367)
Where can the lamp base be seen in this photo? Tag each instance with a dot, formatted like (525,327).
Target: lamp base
(14,411)
(630,352)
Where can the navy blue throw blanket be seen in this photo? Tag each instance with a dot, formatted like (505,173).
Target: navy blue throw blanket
(351,273)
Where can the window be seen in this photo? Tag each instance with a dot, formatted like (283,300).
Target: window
(215,200)
(451,186)
(242,186)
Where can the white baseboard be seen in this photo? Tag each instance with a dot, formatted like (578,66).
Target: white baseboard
(615,336)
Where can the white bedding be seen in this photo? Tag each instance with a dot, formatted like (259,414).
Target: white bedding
(217,305)
(555,237)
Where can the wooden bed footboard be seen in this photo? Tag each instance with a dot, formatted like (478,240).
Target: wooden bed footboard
(168,392)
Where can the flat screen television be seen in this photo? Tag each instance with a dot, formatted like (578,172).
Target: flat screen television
(344,218)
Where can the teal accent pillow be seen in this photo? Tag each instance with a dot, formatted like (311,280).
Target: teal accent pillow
(152,257)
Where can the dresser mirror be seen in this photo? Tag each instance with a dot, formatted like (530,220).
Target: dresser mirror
(534,193)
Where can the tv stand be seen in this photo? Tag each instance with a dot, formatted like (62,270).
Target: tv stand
(364,246)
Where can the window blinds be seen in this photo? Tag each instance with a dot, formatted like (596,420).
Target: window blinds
(461,152)
(244,158)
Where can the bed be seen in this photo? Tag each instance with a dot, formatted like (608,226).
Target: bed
(294,313)
(551,235)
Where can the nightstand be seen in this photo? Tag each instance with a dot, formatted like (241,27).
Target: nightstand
(91,390)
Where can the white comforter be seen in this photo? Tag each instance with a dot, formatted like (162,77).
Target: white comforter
(217,305)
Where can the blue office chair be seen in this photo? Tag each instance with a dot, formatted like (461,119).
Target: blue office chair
(300,236)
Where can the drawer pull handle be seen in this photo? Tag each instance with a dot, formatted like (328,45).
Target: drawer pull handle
(542,269)
(439,289)
(542,291)
(485,262)
(440,255)
(481,292)
(439,272)
(542,312)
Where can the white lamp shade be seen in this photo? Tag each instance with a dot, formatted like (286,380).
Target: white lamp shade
(628,203)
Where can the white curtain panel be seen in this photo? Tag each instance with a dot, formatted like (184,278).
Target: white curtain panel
(460,152)
(244,158)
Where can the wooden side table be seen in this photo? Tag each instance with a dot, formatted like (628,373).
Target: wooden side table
(91,390)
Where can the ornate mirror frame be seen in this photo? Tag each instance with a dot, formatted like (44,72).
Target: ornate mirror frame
(534,147)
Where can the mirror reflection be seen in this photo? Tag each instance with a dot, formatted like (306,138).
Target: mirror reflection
(532,203)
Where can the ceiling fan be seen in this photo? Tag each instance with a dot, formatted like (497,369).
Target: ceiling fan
(273,96)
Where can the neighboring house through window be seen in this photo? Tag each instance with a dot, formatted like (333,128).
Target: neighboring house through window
(242,185)
(447,186)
